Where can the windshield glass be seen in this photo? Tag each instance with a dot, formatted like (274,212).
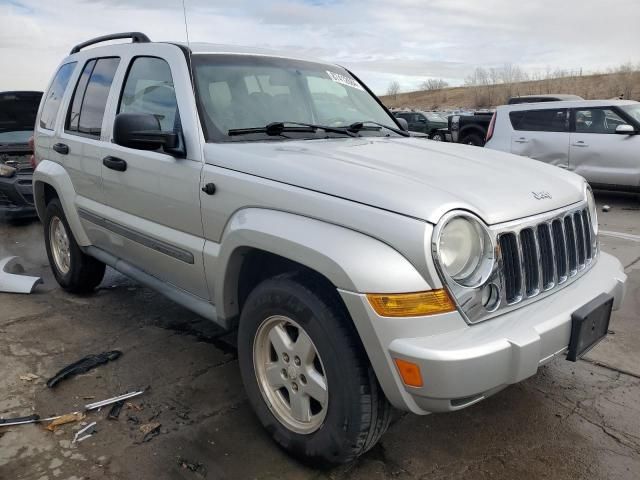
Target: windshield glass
(15,137)
(633,110)
(243,91)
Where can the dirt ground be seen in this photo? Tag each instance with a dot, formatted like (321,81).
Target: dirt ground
(571,421)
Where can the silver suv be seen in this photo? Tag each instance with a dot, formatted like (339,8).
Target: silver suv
(362,268)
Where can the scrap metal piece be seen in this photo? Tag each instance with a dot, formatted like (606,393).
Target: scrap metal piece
(5,422)
(114,413)
(109,401)
(11,282)
(88,430)
(83,365)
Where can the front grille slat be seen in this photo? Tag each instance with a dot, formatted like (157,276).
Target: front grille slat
(544,255)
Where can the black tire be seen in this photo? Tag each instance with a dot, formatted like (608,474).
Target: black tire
(84,273)
(437,137)
(473,139)
(357,413)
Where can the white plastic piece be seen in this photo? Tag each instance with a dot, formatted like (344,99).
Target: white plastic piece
(12,283)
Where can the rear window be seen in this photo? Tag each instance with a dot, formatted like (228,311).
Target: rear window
(90,97)
(552,120)
(54,96)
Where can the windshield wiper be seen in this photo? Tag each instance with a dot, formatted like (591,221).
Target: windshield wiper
(357,126)
(278,128)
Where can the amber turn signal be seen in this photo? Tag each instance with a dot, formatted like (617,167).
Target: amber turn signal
(411,304)
(410,373)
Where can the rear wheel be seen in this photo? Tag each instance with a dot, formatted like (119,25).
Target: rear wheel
(74,270)
(306,373)
(437,137)
(473,139)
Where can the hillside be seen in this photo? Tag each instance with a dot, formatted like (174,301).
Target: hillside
(589,87)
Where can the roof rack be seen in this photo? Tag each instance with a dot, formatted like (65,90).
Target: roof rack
(136,37)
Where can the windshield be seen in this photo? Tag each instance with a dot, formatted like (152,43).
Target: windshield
(242,91)
(15,137)
(633,111)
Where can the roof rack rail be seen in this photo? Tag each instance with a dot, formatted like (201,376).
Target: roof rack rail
(136,37)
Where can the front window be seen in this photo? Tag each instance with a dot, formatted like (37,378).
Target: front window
(633,111)
(241,92)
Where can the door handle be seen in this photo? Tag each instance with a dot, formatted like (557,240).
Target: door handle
(579,144)
(521,140)
(61,148)
(115,163)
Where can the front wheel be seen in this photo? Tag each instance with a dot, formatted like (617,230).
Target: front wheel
(306,374)
(437,137)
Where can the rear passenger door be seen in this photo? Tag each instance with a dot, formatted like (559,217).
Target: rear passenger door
(78,145)
(541,134)
(598,153)
(154,205)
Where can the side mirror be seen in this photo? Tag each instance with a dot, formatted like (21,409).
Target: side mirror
(404,125)
(142,131)
(625,130)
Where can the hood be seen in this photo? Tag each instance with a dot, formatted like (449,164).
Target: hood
(18,110)
(413,177)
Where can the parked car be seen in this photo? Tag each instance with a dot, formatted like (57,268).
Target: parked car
(470,129)
(17,118)
(424,122)
(552,97)
(597,139)
(362,268)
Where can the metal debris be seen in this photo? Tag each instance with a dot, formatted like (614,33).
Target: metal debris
(109,401)
(83,365)
(10,282)
(85,432)
(114,413)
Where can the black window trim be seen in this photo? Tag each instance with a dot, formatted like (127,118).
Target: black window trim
(70,105)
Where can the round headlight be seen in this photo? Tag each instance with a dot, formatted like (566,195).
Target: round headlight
(593,210)
(461,247)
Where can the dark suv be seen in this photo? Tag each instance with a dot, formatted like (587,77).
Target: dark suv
(17,117)
(425,122)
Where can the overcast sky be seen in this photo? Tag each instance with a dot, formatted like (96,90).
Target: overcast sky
(380,40)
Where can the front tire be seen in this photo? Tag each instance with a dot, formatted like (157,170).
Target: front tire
(307,376)
(75,271)
(437,137)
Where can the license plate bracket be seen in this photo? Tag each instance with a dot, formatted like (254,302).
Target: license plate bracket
(589,325)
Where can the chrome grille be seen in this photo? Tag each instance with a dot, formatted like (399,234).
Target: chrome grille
(540,257)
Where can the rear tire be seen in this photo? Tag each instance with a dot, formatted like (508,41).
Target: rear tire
(75,271)
(437,137)
(473,139)
(355,412)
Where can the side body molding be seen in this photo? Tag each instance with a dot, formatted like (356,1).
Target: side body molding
(352,261)
(54,174)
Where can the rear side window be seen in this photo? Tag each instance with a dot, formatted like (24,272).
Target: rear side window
(552,120)
(90,97)
(54,96)
(149,89)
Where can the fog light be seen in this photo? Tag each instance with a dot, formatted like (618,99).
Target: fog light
(490,297)
(410,373)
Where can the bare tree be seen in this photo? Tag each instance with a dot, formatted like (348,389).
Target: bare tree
(433,84)
(393,89)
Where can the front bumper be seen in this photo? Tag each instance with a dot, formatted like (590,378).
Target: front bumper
(16,196)
(462,364)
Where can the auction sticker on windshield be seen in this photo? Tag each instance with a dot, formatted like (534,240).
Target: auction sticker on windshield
(344,80)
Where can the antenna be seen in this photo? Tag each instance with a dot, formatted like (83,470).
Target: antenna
(186,28)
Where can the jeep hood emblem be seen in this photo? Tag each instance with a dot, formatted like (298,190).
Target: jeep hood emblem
(541,195)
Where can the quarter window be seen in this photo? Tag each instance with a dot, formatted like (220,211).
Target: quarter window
(552,120)
(54,96)
(90,98)
(149,89)
(597,120)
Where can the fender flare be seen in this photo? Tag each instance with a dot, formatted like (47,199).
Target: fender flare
(54,174)
(468,129)
(350,260)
